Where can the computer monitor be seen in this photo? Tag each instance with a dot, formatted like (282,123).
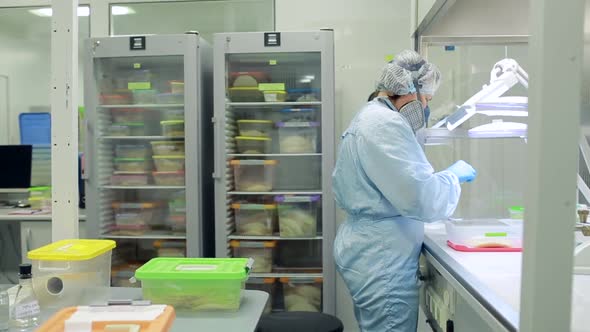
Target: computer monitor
(15,166)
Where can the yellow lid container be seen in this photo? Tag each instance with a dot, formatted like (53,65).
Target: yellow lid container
(72,250)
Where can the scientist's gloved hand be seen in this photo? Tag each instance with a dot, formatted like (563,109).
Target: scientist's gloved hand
(464,171)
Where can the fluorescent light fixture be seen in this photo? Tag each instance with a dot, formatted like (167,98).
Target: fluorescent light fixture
(121,10)
(48,12)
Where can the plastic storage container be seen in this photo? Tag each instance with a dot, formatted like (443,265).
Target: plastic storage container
(177,87)
(169,178)
(298,137)
(173,128)
(170,98)
(301,114)
(144,97)
(169,163)
(115,99)
(254,145)
(298,215)
(248,78)
(302,294)
(255,128)
(485,233)
(131,151)
(261,251)
(255,219)
(65,270)
(194,284)
(267,285)
(168,148)
(162,323)
(127,129)
(129,179)
(254,175)
(304,94)
(123,115)
(177,223)
(245,94)
(146,213)
(132,164)
(173,114)
(275,96)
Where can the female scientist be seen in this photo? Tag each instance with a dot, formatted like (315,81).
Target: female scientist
(389,189)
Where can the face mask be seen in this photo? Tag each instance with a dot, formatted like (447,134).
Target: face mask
(414,114)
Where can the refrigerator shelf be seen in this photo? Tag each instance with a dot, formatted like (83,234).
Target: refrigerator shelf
(269,104)
(262,155)
(140,138)
(292,192)
(147,236)
(286,275)
(272,237)
(143,106)
(143,187)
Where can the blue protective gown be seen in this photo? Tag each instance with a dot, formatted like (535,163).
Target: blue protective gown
(388,188)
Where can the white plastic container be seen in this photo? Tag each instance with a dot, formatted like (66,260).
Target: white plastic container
(169,163)
(168,148)
(131,151)
(173,114)
(136,214)
(254,175)
(129,179)
(298,137)
(255,128)
(66,270)
(261,251)
(253,145)
(485,233)
(275,96)
(298,215)
(173,128)
(169,178)
(302,294)
(255,219)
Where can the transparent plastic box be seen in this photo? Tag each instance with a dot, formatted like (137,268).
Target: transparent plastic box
(267,285)
(146,213)
(485,233)
(169,178)
(115,99)
(255,128)
(169,163)
(173,114)
(255,219)
(245,94)
(298,137)
(261,251)
(298,215)
(173,128)
(65,270)
(253,145)
(304,94)
(254,175)
(177,87)
(194,284)
(302,294)
(129,178)
(275,96)
(300,114)
(122,115)
(131,151)
(170,98)
(144,96)
(168,148)
(127,129)
(132,164)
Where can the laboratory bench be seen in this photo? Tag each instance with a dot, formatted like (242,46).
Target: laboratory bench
(480,291)
(243,320)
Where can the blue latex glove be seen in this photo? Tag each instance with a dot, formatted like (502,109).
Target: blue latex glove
(464,171)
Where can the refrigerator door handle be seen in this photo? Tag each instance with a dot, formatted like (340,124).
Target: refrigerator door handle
(216,145)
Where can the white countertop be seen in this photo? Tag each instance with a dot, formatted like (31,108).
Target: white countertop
(496,278)
(6,216)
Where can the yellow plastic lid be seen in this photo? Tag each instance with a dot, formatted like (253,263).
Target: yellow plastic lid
(252,138)
(255,121)
(72,250)
(252,244)
(237,206)
(251,162)
(244,88)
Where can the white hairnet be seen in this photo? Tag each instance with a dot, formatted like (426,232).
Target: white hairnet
(424,73)
(395,80)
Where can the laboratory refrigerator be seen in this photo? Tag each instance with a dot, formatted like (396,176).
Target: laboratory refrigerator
(149,147)
(274,156)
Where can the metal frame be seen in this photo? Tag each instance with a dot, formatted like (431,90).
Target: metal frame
(64,116)
(197,59)
(425,41)
(323,42)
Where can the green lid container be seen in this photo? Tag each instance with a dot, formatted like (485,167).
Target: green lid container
(194,269)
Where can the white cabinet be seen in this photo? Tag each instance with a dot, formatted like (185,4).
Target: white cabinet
(35,234)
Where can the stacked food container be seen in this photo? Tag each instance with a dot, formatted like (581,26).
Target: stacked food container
(145,110)
(274,155)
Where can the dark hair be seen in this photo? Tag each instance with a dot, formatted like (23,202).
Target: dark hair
(373,95)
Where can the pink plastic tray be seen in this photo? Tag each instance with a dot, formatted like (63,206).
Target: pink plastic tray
(463,248)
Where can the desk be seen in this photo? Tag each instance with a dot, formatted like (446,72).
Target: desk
(244,320)
(6,216)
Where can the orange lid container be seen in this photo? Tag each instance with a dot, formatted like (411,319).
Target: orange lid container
(161,324)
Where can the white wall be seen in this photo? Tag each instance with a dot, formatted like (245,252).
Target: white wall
(366,32)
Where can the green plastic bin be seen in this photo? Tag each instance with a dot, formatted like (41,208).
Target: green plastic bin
(195,284)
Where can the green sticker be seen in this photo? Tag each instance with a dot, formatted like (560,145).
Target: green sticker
(389,57)
(139,85)
(496,234)
(272,62)
(137,66)
(271,87)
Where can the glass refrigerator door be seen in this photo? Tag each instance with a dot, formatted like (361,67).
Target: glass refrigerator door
(141,158)
(274,155)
